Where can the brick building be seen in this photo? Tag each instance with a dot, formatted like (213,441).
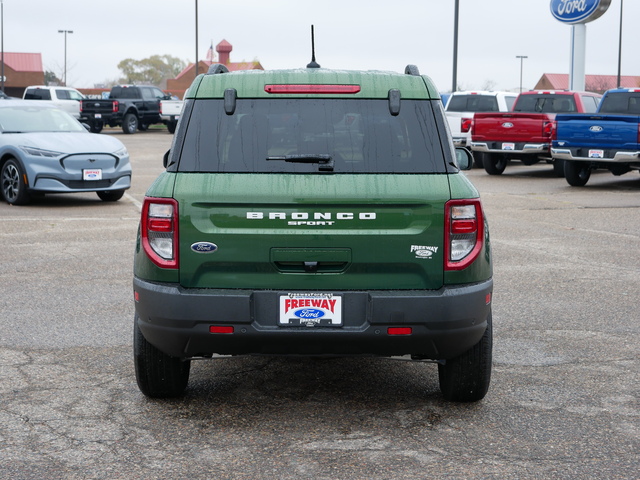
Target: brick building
(20,71)
(593,83)
(181,83)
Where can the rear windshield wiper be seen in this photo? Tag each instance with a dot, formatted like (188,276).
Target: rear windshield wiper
(324,161)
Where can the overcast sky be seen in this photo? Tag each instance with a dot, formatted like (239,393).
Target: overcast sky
(350,34)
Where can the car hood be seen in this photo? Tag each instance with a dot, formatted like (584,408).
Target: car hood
(67,142)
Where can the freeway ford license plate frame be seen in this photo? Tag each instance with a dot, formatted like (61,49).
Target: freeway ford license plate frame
(92,174)
(310,309)
(596,153)
(508,146)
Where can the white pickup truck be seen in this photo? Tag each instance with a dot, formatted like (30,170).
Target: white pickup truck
(65,98)
(461,106)
(170,113)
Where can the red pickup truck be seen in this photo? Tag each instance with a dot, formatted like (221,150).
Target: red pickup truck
(526,132)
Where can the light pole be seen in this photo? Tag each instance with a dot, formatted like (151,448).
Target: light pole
(521,57)
(2,41)
(456,13)
(196,64)
(620,49)
(65,53)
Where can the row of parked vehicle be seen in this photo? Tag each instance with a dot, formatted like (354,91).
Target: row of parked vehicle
(576,132)
(131,107)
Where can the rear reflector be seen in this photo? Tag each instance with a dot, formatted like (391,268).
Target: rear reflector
(322,89)
(399,330)
(220,329)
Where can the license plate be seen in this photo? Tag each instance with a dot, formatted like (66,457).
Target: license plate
(596,153)
(310,310)
(90,175)
(98,115)
(508,146)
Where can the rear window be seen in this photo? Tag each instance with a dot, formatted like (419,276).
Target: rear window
(621,102)
(358,136)
(473,103)
(124,93)
(546,104)
(37,94)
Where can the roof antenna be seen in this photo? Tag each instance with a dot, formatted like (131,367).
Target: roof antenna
(313,63)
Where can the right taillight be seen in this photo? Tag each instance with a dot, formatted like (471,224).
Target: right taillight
(464,233)
(115,106)
(159,231)
(465,124)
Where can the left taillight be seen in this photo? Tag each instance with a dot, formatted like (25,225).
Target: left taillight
(159,231)
(466,124)
(464,233)
(549,130)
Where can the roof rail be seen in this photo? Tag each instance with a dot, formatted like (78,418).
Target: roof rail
(216,68)
(412,70)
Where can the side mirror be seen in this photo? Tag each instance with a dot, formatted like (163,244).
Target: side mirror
(464,158)
(165,158)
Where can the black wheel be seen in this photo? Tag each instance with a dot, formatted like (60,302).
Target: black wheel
(577,173)
(171,126)
(96,127)
(110,195)
(478,159)
(558,167)
(494,163)
(466,378)
(143,127)
(158,375)
(130,123)
(14,188)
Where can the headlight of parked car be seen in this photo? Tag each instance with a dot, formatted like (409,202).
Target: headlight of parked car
(121,153)
(38,152)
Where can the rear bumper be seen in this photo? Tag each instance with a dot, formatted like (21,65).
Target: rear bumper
(609,156)
(519,148)
(444,323)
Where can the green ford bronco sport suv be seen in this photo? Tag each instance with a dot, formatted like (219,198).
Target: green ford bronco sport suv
(313,212)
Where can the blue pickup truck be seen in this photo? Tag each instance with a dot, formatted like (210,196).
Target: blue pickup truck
(608,139)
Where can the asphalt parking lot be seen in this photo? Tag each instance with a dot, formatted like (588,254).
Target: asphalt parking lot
(564,401)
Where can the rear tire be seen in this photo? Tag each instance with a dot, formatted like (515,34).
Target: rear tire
(96,127)
(576,173)
(494,163)
(110,195)
(158,374)
(171,126)
(130,123)
(466,378)
(558,167)
(14,188)
(478,159)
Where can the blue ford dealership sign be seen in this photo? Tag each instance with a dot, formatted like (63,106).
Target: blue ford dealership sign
(578,11)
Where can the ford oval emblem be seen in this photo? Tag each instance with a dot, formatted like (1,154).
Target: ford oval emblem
(507,125)
(204,247)
(578,11)
(596,128)
(309,313)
